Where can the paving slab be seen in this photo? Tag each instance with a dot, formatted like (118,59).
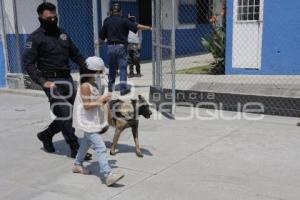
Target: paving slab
(192,157)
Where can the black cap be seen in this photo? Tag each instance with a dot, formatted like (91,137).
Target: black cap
(45,6)
(115,8)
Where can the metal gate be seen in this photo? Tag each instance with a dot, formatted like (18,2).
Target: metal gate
(258,72)
(179,26)
(164,48)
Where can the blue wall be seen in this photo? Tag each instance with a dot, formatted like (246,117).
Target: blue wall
(281,39)
(188,41)
(2,65)
(76,18)
(12,50)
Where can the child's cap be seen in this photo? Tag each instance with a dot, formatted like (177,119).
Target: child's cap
(95,63)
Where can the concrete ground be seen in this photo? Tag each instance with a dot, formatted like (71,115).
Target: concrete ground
(229,157)
(184,159)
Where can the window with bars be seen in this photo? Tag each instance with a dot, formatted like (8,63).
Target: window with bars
(248,10)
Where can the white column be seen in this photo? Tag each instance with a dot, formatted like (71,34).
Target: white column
(105,7)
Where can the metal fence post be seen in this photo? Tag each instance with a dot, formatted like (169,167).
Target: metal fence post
(153,44)
(95,28)
(158,49)
(173,57)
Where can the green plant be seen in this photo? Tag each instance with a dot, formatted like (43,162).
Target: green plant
(195,70)
(216,46)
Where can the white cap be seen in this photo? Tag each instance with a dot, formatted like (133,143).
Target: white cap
(95,63)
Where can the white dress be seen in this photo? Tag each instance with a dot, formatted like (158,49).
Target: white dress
(91,120)
(134,38)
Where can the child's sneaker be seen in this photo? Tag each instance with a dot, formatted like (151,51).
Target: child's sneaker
(112,178)
(80,170)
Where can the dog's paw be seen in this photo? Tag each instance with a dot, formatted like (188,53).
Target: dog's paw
(112,153)
(139,154)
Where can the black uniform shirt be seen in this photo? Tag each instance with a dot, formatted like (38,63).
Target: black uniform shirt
(116,29)
(49,53)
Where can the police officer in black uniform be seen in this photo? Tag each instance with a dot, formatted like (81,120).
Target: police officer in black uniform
(46,60)
(115,30)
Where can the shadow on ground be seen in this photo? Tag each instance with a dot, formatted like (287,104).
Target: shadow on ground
(62,149)
(124,148)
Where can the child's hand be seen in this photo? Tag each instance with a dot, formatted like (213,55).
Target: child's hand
(103,99)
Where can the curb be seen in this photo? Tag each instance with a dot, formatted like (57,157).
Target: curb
(25,92)
(257,104)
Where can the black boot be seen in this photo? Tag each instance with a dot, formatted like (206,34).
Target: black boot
(74,146)
(46,138)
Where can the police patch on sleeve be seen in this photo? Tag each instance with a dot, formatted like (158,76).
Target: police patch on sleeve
(63,36)
(29,45)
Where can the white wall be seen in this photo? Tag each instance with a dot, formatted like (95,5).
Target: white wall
(166,10)
(105,7)
(9,17)
(26,15)
(217,10)
(167,14)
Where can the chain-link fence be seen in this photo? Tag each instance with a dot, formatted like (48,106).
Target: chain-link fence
(228,54)
(216,51)
(82,20)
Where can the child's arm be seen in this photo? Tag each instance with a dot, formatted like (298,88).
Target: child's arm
(88,103)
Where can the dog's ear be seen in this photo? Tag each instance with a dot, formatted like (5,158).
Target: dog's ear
(141,98)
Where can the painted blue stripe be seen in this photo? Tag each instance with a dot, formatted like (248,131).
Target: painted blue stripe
(12,50)
(229,37)
(2,65)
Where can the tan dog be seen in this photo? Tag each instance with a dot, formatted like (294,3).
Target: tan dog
(124,114)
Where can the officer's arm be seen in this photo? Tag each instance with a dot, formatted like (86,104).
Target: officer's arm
(143,27)
(29,61)
(75,55)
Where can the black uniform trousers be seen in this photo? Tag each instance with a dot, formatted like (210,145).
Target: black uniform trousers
(61,101)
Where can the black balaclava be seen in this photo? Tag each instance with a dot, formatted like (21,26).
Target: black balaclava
(50,27)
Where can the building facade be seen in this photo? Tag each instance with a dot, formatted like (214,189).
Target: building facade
(263,37)
(77,17)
